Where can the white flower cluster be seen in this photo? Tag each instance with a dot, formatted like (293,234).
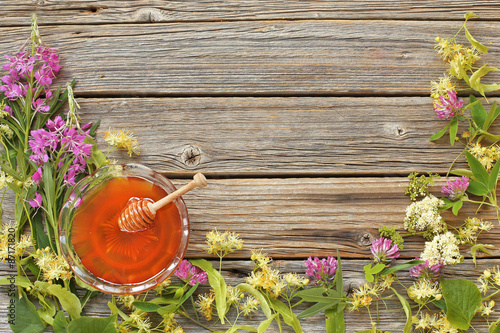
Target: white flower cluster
(424,215)
(442,249)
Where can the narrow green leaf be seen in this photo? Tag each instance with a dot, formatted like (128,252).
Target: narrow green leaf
(468,15)
(475,77)
(114,310)
(456,207)
(462,298)
(494,327)
(477,169)
(217,283)
(493,179)
(453,130)
(462,172)
(490,87)
(402,266)
(492,115)
(314,309)
(317,295)
(407,310)
(17,280)
(479,247)
(480,47)
(339,280)
(187,295)
(40,238)
(93,325)
(439,134)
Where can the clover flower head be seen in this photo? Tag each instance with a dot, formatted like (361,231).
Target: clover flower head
(321,271)
(382,250)
(427,271)
(191,274)
(446,108)
(455,189)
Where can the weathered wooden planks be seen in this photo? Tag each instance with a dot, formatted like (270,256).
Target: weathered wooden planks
(99,12)
(301,217)
(263,58)
(276,136)
(392,317)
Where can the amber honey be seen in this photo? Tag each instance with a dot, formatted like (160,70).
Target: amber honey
(122,257)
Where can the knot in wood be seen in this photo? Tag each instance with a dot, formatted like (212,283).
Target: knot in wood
(191,156)
(364,239)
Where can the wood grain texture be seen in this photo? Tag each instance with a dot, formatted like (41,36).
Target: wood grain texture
(268,58)
(301,217)
(279,136)
(392,316)
(98,12)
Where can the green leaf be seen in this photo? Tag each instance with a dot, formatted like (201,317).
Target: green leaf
(478,112)
(480,47)
(93,325)
(247,328)
(41,240)
(439,134)
(477,169)
(264,325)
(317,295)
(146,306)
(477,188)
(475,82)
(314,309)
(492,181)
(462,172)
(490,87)
(339,280)
(69,301)
(24,317)
(217,283)
(334,320)
(60,324)
(407,310)
(441,304)
(456,207)
(288,316)
(402,266)
(494,327)
(492,115)
(114,310)
(244,287)
(462,298)
(17,280)
(453,130)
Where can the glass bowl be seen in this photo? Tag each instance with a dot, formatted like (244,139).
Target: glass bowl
(115,261)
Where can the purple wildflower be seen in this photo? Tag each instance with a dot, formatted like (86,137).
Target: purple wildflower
(37,176)
(322,271)
(382,250)
(448,107)
(456,189)
(191,274)
(36,201)
(8,109)
(430,272)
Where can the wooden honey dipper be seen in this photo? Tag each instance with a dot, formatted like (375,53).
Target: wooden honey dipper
(139,214)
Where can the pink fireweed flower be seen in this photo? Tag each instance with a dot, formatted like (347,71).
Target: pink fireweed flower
(191,274)
(321,271)
(426,271)
(448,107)
(37,176)
(36,201)
(382,250)
(456,189)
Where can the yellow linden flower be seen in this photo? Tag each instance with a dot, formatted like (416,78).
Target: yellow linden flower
(440,88)
(121,139)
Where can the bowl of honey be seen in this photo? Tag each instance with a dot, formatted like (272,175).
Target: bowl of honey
(108,258)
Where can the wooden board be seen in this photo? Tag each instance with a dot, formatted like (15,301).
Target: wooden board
(99,12)
(300,217)
(261,58)
(224,137)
